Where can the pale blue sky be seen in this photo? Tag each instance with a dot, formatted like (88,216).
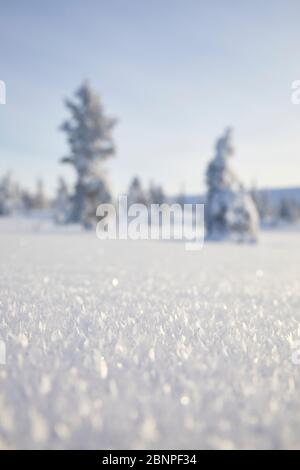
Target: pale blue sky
(175,72)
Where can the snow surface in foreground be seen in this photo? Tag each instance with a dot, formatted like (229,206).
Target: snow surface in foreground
(145,345)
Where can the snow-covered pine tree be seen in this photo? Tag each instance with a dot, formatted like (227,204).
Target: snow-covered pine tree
(10,195)
(89,136)
(289,211)
(27,200)
(230,210)
(40,199)
(181,198)
(136,193)
(156,194)
(62,203)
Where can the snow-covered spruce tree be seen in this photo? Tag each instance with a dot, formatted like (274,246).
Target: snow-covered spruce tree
(289,211)
(89,136)
(156,194)
(40,199)
(62,203)
(136,193)
(230,210)
(27,200)
(181,198)
(10,195)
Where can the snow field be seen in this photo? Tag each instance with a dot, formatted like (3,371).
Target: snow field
(145,345)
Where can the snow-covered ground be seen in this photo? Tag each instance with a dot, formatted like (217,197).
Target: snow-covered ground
(146,345)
